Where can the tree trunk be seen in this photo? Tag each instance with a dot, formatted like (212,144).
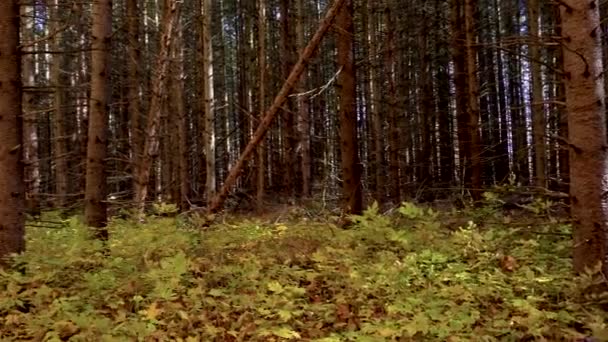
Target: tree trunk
(133,84)
(394,128)
(96,188)
(289,139)
(11,168)
(585,104)
(286,89)
(473,99)
(208,99)
(181,122)
(59,103)
(303,109)
(151,139)
(538,115)
(30,117)
(460,83)
(351,168)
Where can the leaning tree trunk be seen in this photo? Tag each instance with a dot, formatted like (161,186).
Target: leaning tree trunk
(351,168)
(585,96)
(279,100)
(95,210)
(151,138)
(11,169)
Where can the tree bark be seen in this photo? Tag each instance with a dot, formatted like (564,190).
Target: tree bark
(11,168)
(208,99)
(133,85)
(538,115)
(95,191)
(303,110)
(473,99)
(30,117)
(394,124)
(151,138)
(58,82)
(260,160)
(286,89)
(289,132)
(351,168)
(585,96)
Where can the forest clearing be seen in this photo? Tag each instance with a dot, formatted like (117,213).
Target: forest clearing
(308,170)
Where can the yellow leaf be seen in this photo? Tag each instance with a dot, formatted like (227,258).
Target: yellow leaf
(153,311)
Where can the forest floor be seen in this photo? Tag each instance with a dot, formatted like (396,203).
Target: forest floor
(411,274)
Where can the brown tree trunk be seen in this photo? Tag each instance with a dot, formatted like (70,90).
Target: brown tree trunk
(538,115)
(151,138)
(260,161)
(95,192)
(11,168)
(133,84)
(303,110)
(394,124)
(502,149)
(286,89)
(444,117)
(351,168)
(181,122)
(473,99)
(460,83)
(30,117)
(427,110)
(208,99)
(289,138)
(58,81)
(377,141)
(585,104)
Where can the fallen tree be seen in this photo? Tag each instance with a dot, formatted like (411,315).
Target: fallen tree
(218,201)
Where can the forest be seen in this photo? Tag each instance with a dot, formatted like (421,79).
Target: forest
(308,170)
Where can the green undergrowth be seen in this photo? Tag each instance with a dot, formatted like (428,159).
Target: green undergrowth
(399,277)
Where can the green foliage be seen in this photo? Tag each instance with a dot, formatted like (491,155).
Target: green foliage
(164,209)
(403,278)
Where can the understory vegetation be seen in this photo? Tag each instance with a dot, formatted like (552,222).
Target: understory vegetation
(410,274)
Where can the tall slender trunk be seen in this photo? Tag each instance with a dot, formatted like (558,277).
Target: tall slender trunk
(444,119)
(372,92)
(208,99)
(460,84)
(473,99)
(151,138)
(58,82)
(30,117)
(394,128)
(303,109)
(538,115)
(424,157)
(289,139)
(133,84)
(182,121)
(11,168)
(96,188)
(585,103)
(351,168)
(502,154)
